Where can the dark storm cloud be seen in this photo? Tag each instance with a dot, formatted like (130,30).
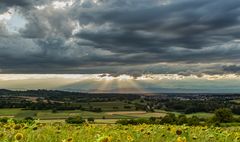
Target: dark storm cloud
(232,68)
(187,24)
(122,36)
(25,4)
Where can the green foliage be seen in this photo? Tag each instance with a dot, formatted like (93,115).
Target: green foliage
(182,119)
(75,120)
(29,121)
(223,115)
(169,119)
(152,119)
(4,120)
(54,110)
(90,119)
(193,121)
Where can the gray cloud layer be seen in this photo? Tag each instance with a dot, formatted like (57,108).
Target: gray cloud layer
(123,36)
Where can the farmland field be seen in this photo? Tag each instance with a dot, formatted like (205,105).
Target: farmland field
(100,117)
(61,132)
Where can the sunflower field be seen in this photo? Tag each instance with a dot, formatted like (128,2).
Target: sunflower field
(62,132)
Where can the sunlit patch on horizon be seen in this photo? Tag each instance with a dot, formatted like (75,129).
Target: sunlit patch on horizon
(98,83)
(123,77)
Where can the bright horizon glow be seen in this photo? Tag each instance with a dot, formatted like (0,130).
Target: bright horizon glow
(146,83)
(122,77)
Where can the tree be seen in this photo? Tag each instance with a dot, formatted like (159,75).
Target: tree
(182,119)
(223,115)
(54,110)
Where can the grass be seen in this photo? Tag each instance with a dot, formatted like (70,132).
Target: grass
(9,112)
(60,132)
(201,115)
(47,114)
(140,114)
(236,101)
(26,113)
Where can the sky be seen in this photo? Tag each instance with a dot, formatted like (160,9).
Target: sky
(117,45)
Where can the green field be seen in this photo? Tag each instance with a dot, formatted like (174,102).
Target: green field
(48,114)
(60,115)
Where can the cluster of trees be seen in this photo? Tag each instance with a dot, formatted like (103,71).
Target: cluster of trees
(223,115)
(168,119)
(56,95)
(192,103)
(193,106)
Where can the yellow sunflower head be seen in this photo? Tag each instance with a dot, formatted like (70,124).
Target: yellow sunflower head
(19,136)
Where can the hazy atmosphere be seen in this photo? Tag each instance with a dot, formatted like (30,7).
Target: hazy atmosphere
(119,45)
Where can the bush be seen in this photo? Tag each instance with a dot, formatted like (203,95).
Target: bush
(193,121)
(4,120)
(90,119)
(169,119)
(96,110)
(152,119)
(54,110)
(122,122)
(28,120)
(75,120)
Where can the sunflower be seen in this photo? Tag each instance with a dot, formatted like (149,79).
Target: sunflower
(1,135)
(129,138)
(179,132)
(19,136)
(17,127)
(181,139)
(70,140)
(105,139)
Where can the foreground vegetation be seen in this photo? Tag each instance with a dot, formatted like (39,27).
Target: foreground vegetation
(58,116)
(61,132)
(169,128)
